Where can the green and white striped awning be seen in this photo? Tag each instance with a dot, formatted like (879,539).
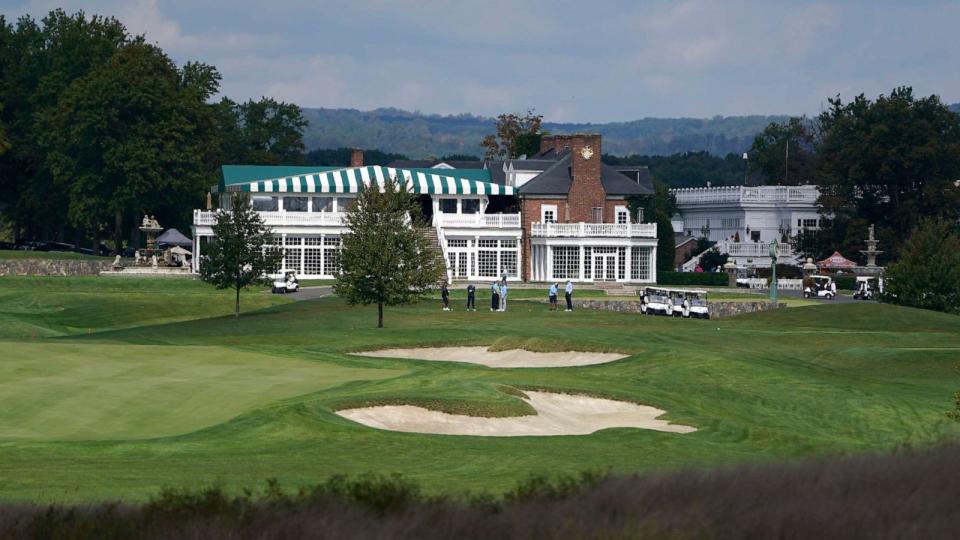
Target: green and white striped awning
(353,180)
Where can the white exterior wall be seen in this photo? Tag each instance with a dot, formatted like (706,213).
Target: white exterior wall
(720,214)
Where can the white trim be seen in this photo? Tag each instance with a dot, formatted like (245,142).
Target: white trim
(544,208)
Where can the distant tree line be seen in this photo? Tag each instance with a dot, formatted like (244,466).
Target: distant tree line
(98,127)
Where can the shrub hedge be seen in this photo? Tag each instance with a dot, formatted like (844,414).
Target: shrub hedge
(706,279)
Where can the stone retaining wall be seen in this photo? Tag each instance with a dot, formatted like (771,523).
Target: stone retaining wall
(53,267)
(730,308)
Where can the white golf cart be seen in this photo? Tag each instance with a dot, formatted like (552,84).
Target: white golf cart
(287,284)
(678,303)
(822,287)
(868,288)
(655,301)
(695,303)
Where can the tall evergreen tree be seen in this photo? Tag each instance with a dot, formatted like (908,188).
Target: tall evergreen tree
(242,252)
(385,259)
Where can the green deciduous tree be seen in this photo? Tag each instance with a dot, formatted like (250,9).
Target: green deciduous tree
(384,259)
(515,136)
(131,136)
(38,62)
(242,251)
(4,139)
(784,153)
(889,162)
(262,132)
(927,275)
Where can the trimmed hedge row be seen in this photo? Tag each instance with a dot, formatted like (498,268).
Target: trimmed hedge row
(707,279)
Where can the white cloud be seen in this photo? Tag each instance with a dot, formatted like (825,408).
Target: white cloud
(573,61)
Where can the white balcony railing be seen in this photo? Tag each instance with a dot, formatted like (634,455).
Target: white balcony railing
(334,219)
(741,194)
(752,249)
(494,221)
(585,230)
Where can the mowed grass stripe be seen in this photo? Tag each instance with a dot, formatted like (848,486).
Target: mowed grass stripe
(797,382)
(59,391)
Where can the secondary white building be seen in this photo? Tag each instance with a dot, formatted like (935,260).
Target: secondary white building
(744,220)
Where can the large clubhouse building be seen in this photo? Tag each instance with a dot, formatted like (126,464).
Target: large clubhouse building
(560,214)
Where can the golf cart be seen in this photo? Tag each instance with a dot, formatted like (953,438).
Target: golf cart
(655,302)
(868,288)
(820,287)
(678,304)
(695,303)
(287,284)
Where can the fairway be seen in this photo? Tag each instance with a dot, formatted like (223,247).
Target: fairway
(113,389)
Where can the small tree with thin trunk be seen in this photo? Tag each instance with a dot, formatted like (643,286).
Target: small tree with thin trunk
(242,252)
(385,259)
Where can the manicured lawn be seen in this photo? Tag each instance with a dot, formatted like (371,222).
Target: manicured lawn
(115,388)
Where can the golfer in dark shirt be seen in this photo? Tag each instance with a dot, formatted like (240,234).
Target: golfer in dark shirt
(471,298)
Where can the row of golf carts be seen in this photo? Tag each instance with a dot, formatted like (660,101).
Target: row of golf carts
(867,288)
(674,303)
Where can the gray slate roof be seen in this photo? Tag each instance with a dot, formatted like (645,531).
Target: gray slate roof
(681,238)
(557,180)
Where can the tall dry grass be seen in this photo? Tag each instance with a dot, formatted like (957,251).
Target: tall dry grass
(910,494)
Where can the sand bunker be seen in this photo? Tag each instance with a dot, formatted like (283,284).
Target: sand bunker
(557,414)
(514,358)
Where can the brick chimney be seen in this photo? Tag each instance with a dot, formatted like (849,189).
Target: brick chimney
(586,189)
(546,142)
(562,142)
(356,158)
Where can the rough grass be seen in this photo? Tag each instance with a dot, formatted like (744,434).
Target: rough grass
(762,387)
(909,494)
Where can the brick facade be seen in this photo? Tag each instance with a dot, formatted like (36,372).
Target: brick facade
(586,191)
(530,213)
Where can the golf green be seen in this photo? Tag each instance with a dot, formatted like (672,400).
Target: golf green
(113,389)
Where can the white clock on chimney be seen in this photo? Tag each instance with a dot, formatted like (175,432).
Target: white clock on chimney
(586,152)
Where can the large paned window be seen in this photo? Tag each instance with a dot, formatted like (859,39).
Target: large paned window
(312,256)
(448,206)
(487,258)
(566,262)
(640,263)
(263,203)
(470,206)
(322,204)
(295,204)
(331,255)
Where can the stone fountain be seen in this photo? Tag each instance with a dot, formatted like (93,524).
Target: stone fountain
(871,252)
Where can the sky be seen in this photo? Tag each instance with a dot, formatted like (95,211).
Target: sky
(572,61)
